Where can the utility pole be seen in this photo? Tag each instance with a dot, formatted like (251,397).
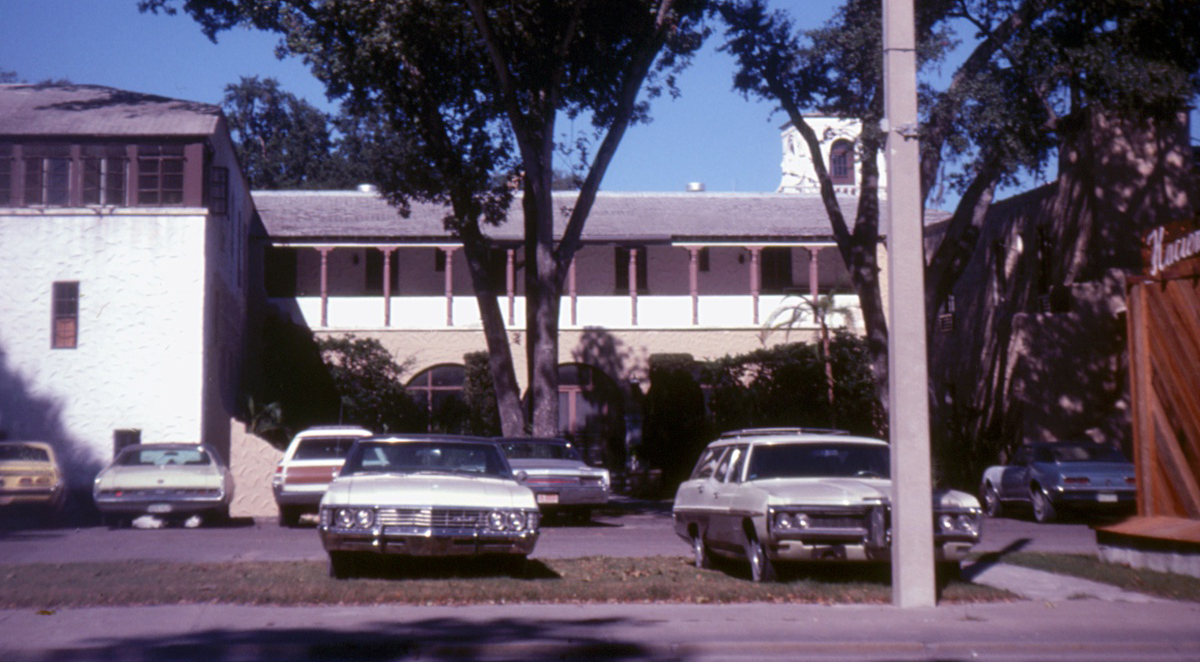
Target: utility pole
(913,578)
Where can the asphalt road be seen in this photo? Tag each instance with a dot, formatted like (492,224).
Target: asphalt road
(628,529)
(1072,629)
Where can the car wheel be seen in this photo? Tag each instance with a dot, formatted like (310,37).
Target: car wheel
(761,568)
(700,552)
(342,565)
(289,516)
(1043,510)
(991,501)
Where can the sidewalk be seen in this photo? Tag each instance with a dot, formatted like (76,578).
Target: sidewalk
(1077,630)
(1047,586)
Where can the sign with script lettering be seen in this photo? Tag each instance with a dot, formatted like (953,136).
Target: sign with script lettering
(1172,250)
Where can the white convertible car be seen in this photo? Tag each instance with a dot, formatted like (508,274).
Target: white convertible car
(780,495)
(426,495)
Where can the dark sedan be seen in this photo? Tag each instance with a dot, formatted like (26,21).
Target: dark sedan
(1052,477)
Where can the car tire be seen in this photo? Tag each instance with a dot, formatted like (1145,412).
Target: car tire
(342,565)
(991,501)
(761,568)
(702,558)
(289,516)
(1043,510)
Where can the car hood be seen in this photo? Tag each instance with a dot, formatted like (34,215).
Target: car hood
(851,491)
(1090,468)
(428,490)
(155,477)
(543,466)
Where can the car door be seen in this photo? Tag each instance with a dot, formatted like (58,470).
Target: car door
(1015,477)
(726,521)
(694,499)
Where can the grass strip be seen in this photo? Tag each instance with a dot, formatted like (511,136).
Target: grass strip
(582,580)
(1150,582)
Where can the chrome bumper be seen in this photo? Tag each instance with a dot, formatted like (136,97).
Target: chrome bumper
(421,541)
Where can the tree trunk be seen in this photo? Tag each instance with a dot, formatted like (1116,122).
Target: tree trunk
(500,361)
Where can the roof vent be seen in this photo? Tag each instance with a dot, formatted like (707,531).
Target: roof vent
(695,187)
(368,188)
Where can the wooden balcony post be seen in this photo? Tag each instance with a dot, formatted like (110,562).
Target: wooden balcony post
(573,290)
(387,284)
(814,287)
(694,283)
(633,287)
(755,276)
(324,251)
(449,284)
(510,284)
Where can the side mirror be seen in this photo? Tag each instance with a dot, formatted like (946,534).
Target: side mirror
(522,477)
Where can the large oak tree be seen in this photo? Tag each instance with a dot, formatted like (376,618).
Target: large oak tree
(467,94)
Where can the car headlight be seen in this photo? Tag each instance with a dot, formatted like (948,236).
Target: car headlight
(967,523)
(516,521)
(364,518)
(344,517)
(496,520)
(791,521)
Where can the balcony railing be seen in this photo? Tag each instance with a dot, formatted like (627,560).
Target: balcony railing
(715,312)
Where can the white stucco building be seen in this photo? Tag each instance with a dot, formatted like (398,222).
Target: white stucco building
(124,234)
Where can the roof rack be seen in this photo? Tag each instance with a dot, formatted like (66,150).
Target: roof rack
(758,432)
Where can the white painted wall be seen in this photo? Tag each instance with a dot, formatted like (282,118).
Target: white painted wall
(799,174)
(138,363)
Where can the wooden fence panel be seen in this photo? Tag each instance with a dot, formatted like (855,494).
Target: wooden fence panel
(1164,342)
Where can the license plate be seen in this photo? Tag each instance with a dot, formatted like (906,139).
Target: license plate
(158,508)
(1106,498)
(547,498)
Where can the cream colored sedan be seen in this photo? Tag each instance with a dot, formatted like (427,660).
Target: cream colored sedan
(779,495)
(171,481)
(426,495)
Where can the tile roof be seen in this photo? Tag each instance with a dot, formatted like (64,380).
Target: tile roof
(347,216)
(92,110)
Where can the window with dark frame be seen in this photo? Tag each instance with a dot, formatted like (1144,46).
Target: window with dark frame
(776,269)
(47,175)
(621,269)
(65,333)
(160,175)
(104,174)
(841,162)
(218,191)
(6,173)
(704,259)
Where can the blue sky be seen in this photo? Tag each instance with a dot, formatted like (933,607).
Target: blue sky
(711,134)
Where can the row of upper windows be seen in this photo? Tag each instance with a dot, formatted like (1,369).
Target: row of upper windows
(62,175)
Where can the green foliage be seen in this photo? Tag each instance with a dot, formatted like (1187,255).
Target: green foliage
(283,142)
(674,426)
(296,390)
(479,395)
(785,386)
(367,380)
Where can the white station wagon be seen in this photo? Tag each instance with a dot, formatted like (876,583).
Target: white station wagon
(426,495)
(782,495)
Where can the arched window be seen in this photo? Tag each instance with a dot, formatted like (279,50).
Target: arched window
(841,162)
(438,391)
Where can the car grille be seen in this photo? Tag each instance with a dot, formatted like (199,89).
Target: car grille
(162,492)
(831,521)
(432,517)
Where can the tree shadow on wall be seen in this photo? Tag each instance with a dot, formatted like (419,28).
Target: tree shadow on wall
(28,416)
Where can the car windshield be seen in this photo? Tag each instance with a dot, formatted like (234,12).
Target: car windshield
(323,448)
(533,450)
(828,460)
(1079,453)
(150,457)
(23,453)
(425,456)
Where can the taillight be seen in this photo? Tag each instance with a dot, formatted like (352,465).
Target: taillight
(1077,480)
